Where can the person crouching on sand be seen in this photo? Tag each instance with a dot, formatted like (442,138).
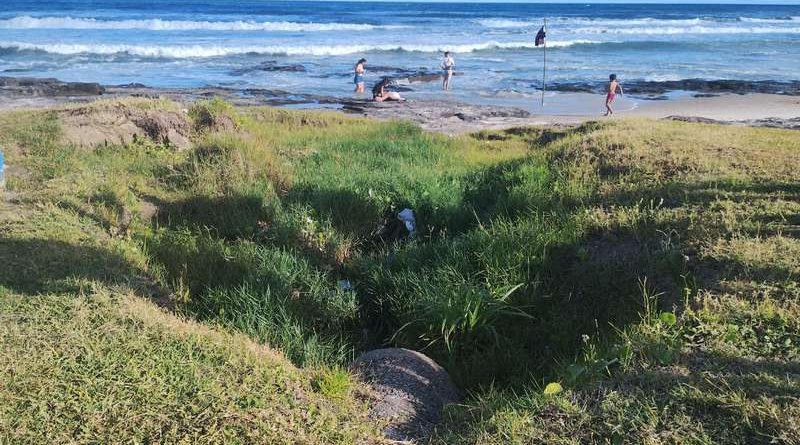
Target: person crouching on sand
(613,86)
(358,79)
(448,65)
(380,94)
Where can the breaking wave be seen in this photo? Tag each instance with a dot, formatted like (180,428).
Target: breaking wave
(774,20)
(690,30)
(199,51)
(28,22)
(650,22)
(504,23)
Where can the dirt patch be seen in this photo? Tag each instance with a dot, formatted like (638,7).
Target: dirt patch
(205,120)
(122,124)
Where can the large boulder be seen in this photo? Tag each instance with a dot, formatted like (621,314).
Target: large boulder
(410,391)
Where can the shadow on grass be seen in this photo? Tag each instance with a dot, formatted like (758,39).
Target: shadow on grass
(717,391)
(32,266)
(230,217)
(115,217)
(709,397)
(350,213)
(679,194)
(536,136)
(504,190)
(581,286)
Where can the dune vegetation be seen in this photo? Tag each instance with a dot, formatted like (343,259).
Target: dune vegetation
(630,281)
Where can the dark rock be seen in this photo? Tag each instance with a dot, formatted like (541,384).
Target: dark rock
(508,112)
(467,117)
(701,86)
(132,85)
(411,390)
(773,122)
(403,75)
(400,88)
(424,77)
(49,87)
(577,87)
(270,66)
(696,120)
(387,69)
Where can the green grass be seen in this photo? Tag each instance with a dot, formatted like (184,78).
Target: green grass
(100,367)
(649,268)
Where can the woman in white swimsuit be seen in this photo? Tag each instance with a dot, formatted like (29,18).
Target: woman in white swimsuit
(448,65)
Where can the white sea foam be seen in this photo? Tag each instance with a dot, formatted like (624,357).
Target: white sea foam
(28,22)
(690,30)
(639,21)
(504,23)
(663,78)
(562,22)
(778,21)
(566,21)
(198,51)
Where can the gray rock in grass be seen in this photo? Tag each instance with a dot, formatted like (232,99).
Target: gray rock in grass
(411,391)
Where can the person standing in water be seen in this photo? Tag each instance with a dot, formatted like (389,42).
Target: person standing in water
(448,65)
(613,86)
(358,79)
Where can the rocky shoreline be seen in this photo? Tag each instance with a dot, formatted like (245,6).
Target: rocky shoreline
(773,122)
(434,115)
(445,116)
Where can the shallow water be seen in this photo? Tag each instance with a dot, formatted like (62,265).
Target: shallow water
(311,47)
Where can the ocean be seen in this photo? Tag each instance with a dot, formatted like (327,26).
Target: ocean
(311,47)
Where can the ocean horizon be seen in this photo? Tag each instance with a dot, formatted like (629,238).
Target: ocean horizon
(311,47)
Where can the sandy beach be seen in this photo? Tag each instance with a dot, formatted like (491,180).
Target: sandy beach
(453,118)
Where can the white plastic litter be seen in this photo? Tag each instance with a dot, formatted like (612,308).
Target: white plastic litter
(345,285)
(407,216)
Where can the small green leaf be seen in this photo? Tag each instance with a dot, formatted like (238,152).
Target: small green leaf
(668,318)
(732,334)
(575,371)
(552,388)
(665,356)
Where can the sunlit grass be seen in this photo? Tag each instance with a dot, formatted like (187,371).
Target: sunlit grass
(649,268)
